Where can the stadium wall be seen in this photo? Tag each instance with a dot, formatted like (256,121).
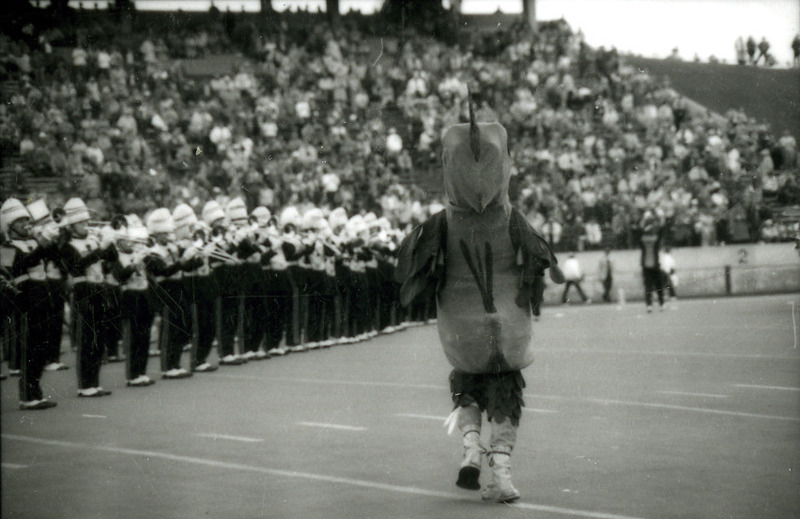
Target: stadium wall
(727,270)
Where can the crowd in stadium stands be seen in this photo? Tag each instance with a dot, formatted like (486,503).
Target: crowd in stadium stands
(594,142)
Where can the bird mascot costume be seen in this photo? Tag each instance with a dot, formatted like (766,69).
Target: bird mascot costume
(486,264)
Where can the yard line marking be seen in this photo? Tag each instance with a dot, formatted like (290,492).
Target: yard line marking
(686,393)
(215,436)
(661,353)
(337,382)
(422,416)
(449,496)
(780,388)
(92,416)
(13,466)
(332,426)
(605,401)
(541,411)
(530,395)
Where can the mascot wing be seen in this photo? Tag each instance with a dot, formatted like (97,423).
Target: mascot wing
(420,259)
(534,255)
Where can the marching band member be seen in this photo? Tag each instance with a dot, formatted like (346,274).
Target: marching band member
(137,300)
(199,285)
(225,273)
(383,249)
(111,329)
(82,256)
(44,226)
(293,250)
(8,303)
(318,291)
(25,258)
(337,220)
(371,264)
(249,277)
(358,301)
(278,289)
(166,267)
(256,322)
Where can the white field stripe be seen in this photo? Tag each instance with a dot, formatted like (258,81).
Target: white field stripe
(338,382)
(659,353)
(332,426)
(605,401)
(361,483)
(528,395)
(779,388)
(540,411)
(422,416)
(215,436)
(686,393)
(93,416)
(13,466)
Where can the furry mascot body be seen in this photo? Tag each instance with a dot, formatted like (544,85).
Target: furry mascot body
(487,266)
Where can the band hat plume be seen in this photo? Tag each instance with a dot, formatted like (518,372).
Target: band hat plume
(138,233)
(337,218)
(11,211)
(289,216)
(236,210)
(212,213)
(160,222)
(75,211)
(262,215)
(312,219)
(38,210)
(183,216)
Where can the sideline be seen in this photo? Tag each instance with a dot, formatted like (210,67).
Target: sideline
(304,475)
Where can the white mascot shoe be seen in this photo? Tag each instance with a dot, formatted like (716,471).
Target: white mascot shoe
(500,489)
(470,469)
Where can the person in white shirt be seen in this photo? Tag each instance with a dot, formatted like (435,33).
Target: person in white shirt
(668,275)
(573,275)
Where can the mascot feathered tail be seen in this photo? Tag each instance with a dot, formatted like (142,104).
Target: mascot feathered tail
(487,265)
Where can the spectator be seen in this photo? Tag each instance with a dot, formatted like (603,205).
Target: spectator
(574,276)
(751,50)
(763,51)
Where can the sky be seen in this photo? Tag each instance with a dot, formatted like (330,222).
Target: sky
(651,28)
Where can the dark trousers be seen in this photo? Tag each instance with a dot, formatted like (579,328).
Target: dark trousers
(111,327)
(319,300)
(89,305)
(32,331)
(176,321)
(201,295)
(294,311)
(666,282)
(204,310)
(360,310)
(607,282)
(652,283)
(138,321)
(387,298)
(277,299)
(255,323)
(54,322)
(570,284)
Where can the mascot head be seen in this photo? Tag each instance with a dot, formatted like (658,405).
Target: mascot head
(477,166)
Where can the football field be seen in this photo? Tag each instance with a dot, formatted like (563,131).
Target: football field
(693,412)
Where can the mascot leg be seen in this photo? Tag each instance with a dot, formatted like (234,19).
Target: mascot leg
(500,489)
(469,423)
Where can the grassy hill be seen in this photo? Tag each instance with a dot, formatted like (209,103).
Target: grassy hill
(769,95)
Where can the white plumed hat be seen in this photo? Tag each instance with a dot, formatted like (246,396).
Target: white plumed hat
(11,211)
(160,221)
